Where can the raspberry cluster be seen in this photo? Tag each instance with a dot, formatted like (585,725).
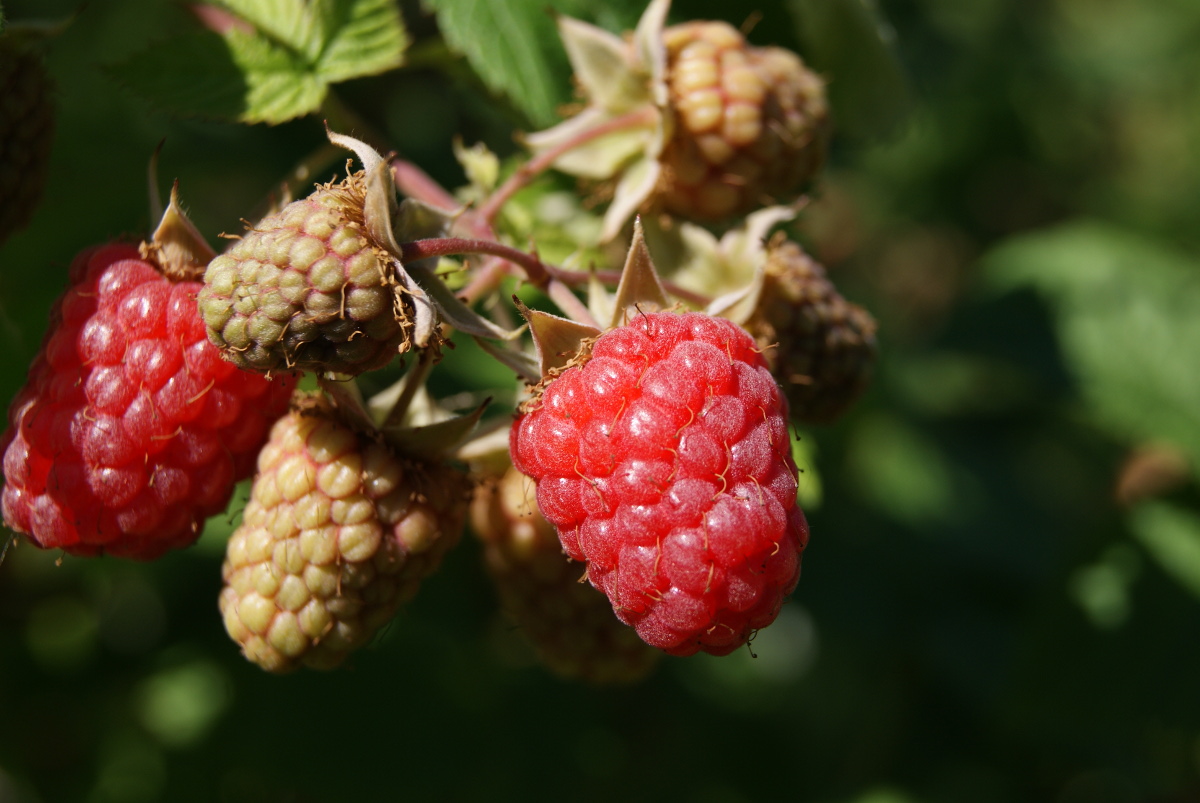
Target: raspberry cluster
(640,500)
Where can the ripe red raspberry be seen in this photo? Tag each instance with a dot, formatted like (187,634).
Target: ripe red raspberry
(663,458)
(131,429)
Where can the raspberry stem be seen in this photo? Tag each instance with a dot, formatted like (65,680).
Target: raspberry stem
(541,275)
(643,116)
(416,183)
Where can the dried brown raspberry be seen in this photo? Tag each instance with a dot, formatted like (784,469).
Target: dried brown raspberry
(26,131)
(825,346)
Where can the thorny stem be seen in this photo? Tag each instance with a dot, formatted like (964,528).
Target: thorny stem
(530,170)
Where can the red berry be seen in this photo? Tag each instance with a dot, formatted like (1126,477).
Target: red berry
(663,459)
(131,429)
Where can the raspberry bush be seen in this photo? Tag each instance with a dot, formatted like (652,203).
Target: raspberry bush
(655,429)
(614,399)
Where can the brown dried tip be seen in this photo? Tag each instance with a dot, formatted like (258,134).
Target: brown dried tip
(177,246)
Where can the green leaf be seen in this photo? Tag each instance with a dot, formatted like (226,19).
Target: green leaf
(1125,312)
(278,86)
(366,37)
(1171,534)
(194,74)
(288,23)
(278,70)
(851,45)
(513,46)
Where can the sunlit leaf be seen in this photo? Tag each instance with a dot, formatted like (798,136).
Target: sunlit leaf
(513,46)
(1171,534)
(1125,311)
(276,66)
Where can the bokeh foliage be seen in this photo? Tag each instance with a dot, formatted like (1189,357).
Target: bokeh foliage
(1000,599)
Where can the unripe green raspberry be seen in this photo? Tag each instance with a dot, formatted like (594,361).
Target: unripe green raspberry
(307,288)
(825,346)
(26,131)
(751,123)
(569,623)
(338,533)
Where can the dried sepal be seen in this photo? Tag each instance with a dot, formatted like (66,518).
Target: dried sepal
(177,246)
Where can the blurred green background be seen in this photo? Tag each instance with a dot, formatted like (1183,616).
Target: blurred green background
(1000,598)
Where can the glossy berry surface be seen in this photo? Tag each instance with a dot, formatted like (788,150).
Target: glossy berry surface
(663,458)
(131,429)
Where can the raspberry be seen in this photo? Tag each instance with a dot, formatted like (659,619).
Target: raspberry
(826,346)
(750,123)
(569,623)
(26,131)
(308,288)
(131,430)
(338,533)
(663,458)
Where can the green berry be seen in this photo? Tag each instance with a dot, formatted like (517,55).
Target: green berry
(307,288)
(339,532)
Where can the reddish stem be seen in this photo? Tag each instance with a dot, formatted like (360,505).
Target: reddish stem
(535,270)
(416,183)
(524,174)
(537,273)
